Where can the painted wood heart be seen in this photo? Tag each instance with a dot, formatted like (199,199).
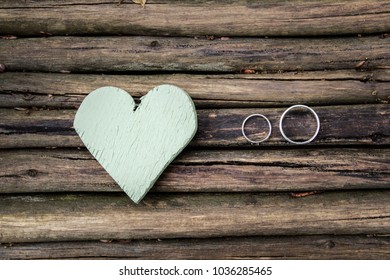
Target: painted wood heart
(135,144)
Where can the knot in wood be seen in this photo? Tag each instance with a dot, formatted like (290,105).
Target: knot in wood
(32,172)
(154,44)
(329,244)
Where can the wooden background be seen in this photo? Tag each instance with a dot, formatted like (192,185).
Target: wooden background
(222,198)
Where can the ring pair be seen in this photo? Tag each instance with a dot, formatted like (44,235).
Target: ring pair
(281,126)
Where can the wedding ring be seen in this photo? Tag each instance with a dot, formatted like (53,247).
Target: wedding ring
(243,128)
(295,142)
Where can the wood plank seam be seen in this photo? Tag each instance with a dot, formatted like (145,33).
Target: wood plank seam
(281,18)
(180,54)
(204,171)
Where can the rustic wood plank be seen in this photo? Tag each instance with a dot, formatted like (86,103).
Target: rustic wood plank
(221,18)
(284,247)
(28,171)
(207,91)
(113,54)
(350,125)
(94,217)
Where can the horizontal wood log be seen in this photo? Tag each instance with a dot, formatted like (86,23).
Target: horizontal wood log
(221,18)
(203,171)
(349,125)
(208,91)
(69,217)
(297,247)
(121,54)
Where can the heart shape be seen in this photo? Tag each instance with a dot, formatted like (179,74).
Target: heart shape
(135,144)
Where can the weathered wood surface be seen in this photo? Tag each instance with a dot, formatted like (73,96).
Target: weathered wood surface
(228,195)
(297,247)
(29,171)
(221,18)
(109,54)
(207,91)
(69,217)
(349,125)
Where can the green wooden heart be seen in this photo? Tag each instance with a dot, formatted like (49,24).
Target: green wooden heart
(135,144)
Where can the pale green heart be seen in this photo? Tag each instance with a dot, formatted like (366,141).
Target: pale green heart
(135,144)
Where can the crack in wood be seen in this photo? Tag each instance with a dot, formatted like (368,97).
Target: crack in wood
(364,218)
(71,158)
(10,176)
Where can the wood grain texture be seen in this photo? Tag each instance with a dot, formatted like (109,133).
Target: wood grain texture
(223,198)
(207,91)
(347,125)
(121,54)
(282,247)
(94,217)
(133,143)
(221,18)
(29,171)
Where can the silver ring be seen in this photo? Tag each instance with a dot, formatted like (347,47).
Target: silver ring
(295,142)
(243,128)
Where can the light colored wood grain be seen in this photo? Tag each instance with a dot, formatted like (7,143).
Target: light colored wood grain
(35,218)
(340,125)
(221,18)
(207,91)
(281,247)
(121,54)
(29,171)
